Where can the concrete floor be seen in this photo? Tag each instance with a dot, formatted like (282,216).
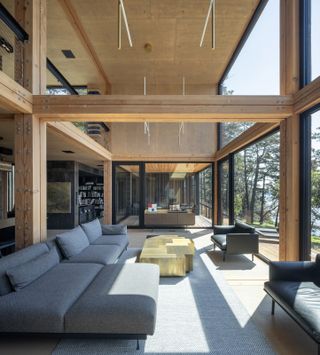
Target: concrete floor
(245,277)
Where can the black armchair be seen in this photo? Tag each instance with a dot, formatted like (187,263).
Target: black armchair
(295,287)
(236,239)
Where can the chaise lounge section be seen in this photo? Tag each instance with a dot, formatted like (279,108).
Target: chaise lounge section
(70,286)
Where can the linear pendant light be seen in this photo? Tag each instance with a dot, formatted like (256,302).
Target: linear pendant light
(122,14)
(212,12)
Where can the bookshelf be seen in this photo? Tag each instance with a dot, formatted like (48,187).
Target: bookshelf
(91,194)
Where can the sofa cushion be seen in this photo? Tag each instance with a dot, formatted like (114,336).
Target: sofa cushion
(100,254)
(108,229)
(22,275)
(72,242)
(221,240)
(15,259)
(241,227)
(92,229)
(121,300)
(41,306)
(303,298)
(121,240)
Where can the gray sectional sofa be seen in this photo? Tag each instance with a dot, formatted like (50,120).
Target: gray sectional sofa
(74,285)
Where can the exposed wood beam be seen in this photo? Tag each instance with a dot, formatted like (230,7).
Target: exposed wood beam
(164,108)
(165,158)
(307,97)
(69,130)
(13,97)
(247,137)
(74,20)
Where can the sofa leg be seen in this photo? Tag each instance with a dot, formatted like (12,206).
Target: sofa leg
(138,345)
(272,307)
(252,257)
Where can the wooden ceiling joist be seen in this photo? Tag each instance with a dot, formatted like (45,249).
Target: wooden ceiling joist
(164,108)
(307,97)
(70,131)
(74,20)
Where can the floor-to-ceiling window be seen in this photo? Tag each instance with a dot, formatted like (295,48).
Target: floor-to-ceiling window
(224,192)
(256,191)
(205,193)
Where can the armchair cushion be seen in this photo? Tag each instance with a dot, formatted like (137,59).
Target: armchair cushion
(297,271)
(221,240)
(222,229)
(241,227)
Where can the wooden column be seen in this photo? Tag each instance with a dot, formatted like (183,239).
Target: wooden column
(289,132)
(107,179)
(30,180)
(31,14)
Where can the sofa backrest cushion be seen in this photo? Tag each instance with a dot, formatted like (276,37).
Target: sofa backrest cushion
(92,229)
(241,227)
(22,275)
(113,229)
(72,242)
(20,257)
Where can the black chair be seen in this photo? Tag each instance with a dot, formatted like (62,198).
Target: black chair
(236,239)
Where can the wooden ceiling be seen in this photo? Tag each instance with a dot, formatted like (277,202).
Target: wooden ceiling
(56,143)
(172,27)
(167,167)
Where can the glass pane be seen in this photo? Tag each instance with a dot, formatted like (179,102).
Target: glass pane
(224,192)
(315,184)
(230,131)
(256,69)
(256,191)
(178,195)
(315,39)
(127,194)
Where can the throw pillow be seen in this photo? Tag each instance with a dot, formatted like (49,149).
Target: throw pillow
(92,229)
(114,229)
(22,275)
(73,242)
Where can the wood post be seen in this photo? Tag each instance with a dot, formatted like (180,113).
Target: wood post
(31,14)
(289,133)
(107,188)
(30,180)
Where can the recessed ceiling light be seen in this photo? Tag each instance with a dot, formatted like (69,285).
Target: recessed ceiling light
(68,53)
(68,151)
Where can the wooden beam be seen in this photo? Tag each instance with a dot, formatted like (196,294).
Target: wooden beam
(247,137)
(289,133)
(30,180)
(164,158)
(35,63)
(13,97)
(107,190)
(75,22)
(70,131)
(307,97)
(164,108)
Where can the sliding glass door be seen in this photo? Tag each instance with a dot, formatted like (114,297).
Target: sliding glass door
(127,194)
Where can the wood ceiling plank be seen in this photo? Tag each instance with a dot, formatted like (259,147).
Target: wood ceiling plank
(72,16)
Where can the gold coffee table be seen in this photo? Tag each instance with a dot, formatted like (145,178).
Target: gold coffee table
(173,254)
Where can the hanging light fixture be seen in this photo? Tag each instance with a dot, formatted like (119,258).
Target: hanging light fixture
(181,131)
(212,12)
(122,14)
(147,131)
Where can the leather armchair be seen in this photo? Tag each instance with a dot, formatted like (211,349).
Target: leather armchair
(240,238)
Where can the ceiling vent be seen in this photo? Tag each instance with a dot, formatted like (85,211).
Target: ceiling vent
(68,53)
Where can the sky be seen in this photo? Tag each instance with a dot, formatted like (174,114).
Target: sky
(256,70)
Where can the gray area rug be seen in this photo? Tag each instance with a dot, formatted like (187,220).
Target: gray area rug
(197,314)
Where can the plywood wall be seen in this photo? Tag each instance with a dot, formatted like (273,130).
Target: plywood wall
(198,140)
